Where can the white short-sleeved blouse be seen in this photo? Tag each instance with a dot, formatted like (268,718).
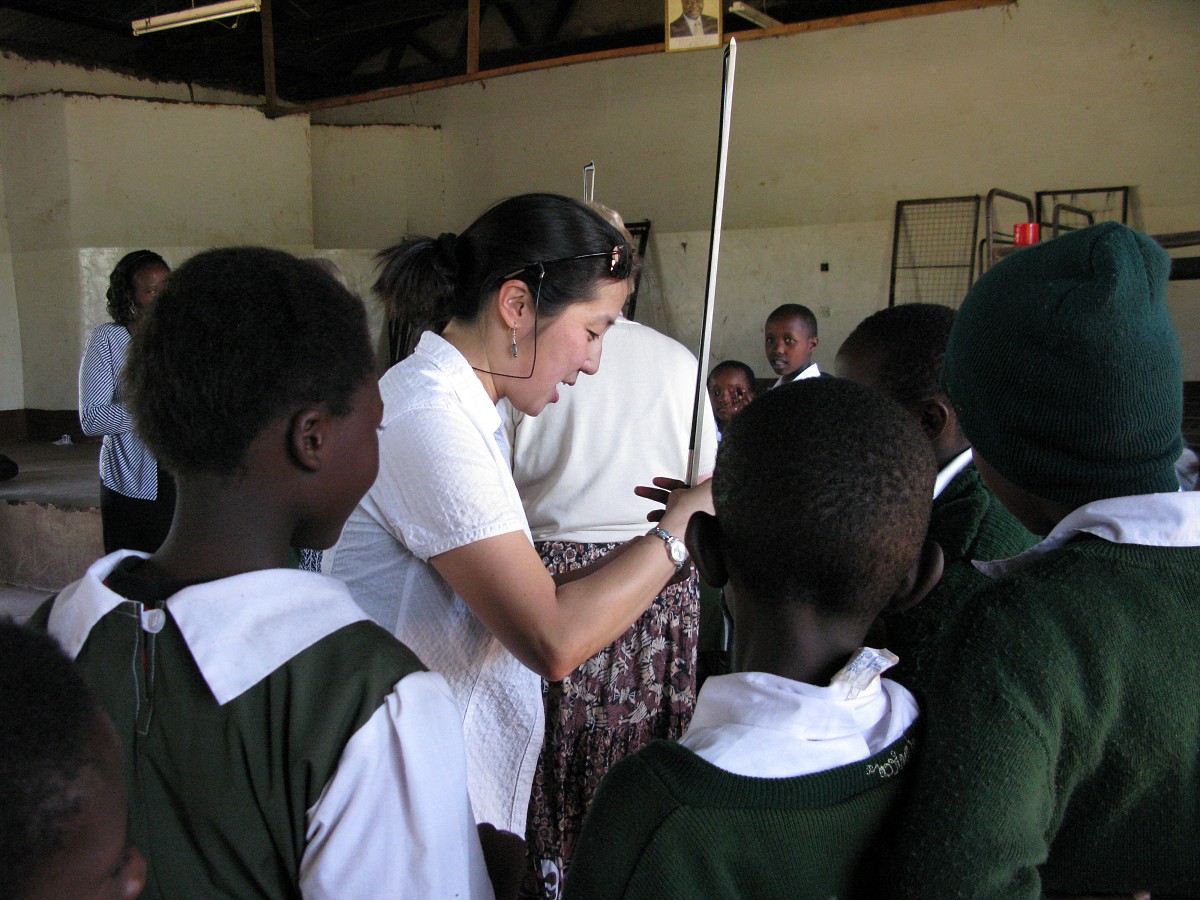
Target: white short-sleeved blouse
(444,482)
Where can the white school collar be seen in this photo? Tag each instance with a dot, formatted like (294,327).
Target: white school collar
(811,371)
(238,629)
(1150,520)
(951,471)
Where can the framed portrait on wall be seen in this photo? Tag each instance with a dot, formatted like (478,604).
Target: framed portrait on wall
(692,24)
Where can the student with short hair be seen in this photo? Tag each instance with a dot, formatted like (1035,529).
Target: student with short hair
(278,742)
(788,776)
(62,781)
(899,352)
(791,339)
(731,387)
(1061,751)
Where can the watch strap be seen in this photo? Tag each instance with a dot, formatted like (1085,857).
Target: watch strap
(673,545)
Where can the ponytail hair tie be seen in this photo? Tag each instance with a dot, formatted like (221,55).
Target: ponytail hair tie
(447,250)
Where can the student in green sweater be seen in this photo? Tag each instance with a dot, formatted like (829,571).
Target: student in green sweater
(789,772)
(899,351)
(1061,751)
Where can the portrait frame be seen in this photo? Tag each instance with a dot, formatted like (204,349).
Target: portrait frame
(675,27)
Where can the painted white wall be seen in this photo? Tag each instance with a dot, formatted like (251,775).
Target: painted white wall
(33,157)
(12,379)
(760,269)
(145,173)
(374,184)
(89,178)
(830,129)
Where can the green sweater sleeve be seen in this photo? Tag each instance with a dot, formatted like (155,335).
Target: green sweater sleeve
(614,840)
(1060,751)
(981,807)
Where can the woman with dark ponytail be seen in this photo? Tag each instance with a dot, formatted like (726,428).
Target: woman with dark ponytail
(137,498)
(439,550)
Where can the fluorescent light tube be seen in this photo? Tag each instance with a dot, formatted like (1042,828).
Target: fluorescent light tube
(195,14)
(755,16)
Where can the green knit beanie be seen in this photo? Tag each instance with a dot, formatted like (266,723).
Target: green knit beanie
(1065,370)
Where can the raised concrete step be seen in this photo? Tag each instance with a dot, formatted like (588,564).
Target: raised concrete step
(46,547)
(49,515)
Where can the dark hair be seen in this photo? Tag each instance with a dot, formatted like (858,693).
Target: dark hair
(735,365)
(121,307)
(240,337)
(823,494)
(48,717)
(796,311)
(431,281)
(911,339)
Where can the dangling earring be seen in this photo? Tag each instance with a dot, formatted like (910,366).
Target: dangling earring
(514,343)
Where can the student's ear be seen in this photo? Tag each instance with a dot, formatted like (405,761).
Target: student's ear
(515,303)
(306,438)
(703,540)
(936,416)
(922,578)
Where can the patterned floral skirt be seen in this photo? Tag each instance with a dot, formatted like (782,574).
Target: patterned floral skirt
(640,688)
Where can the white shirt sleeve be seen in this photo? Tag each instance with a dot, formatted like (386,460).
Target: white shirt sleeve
(395,820)
(441,485)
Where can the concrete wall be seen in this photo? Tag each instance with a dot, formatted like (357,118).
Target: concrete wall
(85,178)
(830,129)
(89,178)
(372,185)
(21,77)
(12,380)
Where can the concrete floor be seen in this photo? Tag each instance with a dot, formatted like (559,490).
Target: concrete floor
(49,521)
(66,476)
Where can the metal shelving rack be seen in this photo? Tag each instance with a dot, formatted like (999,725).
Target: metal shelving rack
(933,241)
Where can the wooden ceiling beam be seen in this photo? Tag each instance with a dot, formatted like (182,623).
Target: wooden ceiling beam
(473,75)
(268,48)
(474,12)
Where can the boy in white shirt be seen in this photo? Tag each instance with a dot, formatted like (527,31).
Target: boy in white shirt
(787,775)
(790,338)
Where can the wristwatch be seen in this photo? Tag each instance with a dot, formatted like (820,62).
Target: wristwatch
(675,548)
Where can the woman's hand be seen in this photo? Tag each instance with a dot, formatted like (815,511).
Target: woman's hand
(680,501)
(551,629)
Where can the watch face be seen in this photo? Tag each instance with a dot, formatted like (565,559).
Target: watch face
(677,550)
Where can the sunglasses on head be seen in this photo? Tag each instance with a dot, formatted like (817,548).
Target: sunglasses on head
(620,262)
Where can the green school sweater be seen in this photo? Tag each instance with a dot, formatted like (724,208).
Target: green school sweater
(1062,748)
(666,824)
(968,522)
